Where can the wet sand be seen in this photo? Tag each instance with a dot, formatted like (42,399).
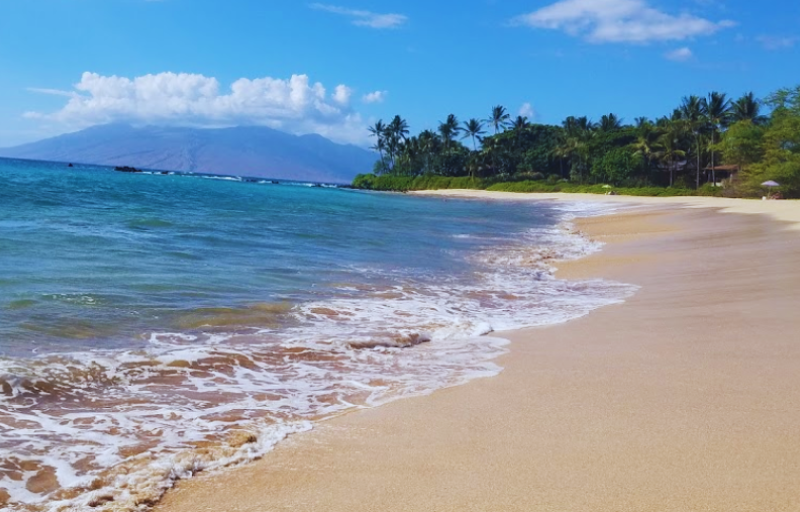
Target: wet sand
(685,398)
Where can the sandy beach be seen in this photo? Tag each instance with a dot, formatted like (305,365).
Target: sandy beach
(684,398)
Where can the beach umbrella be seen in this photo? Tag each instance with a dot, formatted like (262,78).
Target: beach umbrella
(770,185)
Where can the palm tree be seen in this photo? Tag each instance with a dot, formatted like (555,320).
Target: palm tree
(398,127)
(561,151)
(448,130)
(673,131)
(747,108)
(380,147)
(379,131)
(647,143)
(693,112)
(520,123)
(499,118)
(395,133)
(578,131)
(610,123)
(717,110)
(492,151)
(392,146)
(473,128)
(429,145)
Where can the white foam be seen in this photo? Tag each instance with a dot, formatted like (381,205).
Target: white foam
(185,389)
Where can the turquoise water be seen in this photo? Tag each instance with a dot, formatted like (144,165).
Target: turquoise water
(144,315)
(94,258)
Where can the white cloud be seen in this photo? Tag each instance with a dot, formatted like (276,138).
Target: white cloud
(776,43)
(342,94)
(679,55)
(375,97)
(619,21)
(364,18)
(52,92)
(294,105)
(528,111)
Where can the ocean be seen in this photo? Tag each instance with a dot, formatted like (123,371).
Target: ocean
(156,325)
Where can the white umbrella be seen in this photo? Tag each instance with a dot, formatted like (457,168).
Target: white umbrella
(770,185)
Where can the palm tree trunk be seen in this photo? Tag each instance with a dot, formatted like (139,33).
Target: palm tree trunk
(713,167)
(671,172)
(383,161)
(698,162)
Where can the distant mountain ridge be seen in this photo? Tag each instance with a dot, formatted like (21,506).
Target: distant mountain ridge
(242,151)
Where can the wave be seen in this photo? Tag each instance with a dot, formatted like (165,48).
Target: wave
(114,429)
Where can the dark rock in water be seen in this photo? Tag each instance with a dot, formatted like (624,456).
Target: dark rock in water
(70,165)
(164,172)
(126,168)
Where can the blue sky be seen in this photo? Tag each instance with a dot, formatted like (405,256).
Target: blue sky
(335,67)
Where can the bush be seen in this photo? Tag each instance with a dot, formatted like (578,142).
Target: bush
(392,183)
(545,187)
(709,189)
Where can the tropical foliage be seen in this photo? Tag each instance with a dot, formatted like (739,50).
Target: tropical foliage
(708,143)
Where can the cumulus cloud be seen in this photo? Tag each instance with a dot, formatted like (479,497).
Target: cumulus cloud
(619,21)
(679,55)
(375,97)
(295,104)
(527,110)
(364,18)
(342,94)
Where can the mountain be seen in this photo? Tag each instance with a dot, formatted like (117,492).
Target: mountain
(242,151)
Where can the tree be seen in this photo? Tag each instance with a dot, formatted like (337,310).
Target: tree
(448,130)
(647,145)
(692,111)
(398,127)
(499,118)
(670,141)
(520,123)
(717,112)
(378,130)
(742,144)
(747,108)
(781,146)
(473,128)
(702,131)
(610,122)
(430,145)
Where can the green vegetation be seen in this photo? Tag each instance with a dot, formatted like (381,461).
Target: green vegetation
(706,146)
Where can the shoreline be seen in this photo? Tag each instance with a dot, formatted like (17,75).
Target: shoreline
(575,421)
(783,210)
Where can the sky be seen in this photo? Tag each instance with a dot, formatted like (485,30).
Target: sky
(335,68)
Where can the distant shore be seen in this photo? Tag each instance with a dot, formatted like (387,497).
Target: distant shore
(682,399)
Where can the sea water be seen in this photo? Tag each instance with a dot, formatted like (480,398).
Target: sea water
(156,325)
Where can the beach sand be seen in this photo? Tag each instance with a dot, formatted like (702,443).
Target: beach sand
(685,398)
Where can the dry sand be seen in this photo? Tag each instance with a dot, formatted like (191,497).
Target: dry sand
(685,398)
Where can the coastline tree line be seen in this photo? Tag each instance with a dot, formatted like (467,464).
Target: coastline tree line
(707,145)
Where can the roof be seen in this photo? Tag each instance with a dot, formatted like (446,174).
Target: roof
(723,168)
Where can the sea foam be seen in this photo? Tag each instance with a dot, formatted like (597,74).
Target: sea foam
(113,429)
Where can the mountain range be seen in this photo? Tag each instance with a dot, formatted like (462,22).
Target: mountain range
(242,151)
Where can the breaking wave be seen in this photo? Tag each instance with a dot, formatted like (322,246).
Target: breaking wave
(114,429)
